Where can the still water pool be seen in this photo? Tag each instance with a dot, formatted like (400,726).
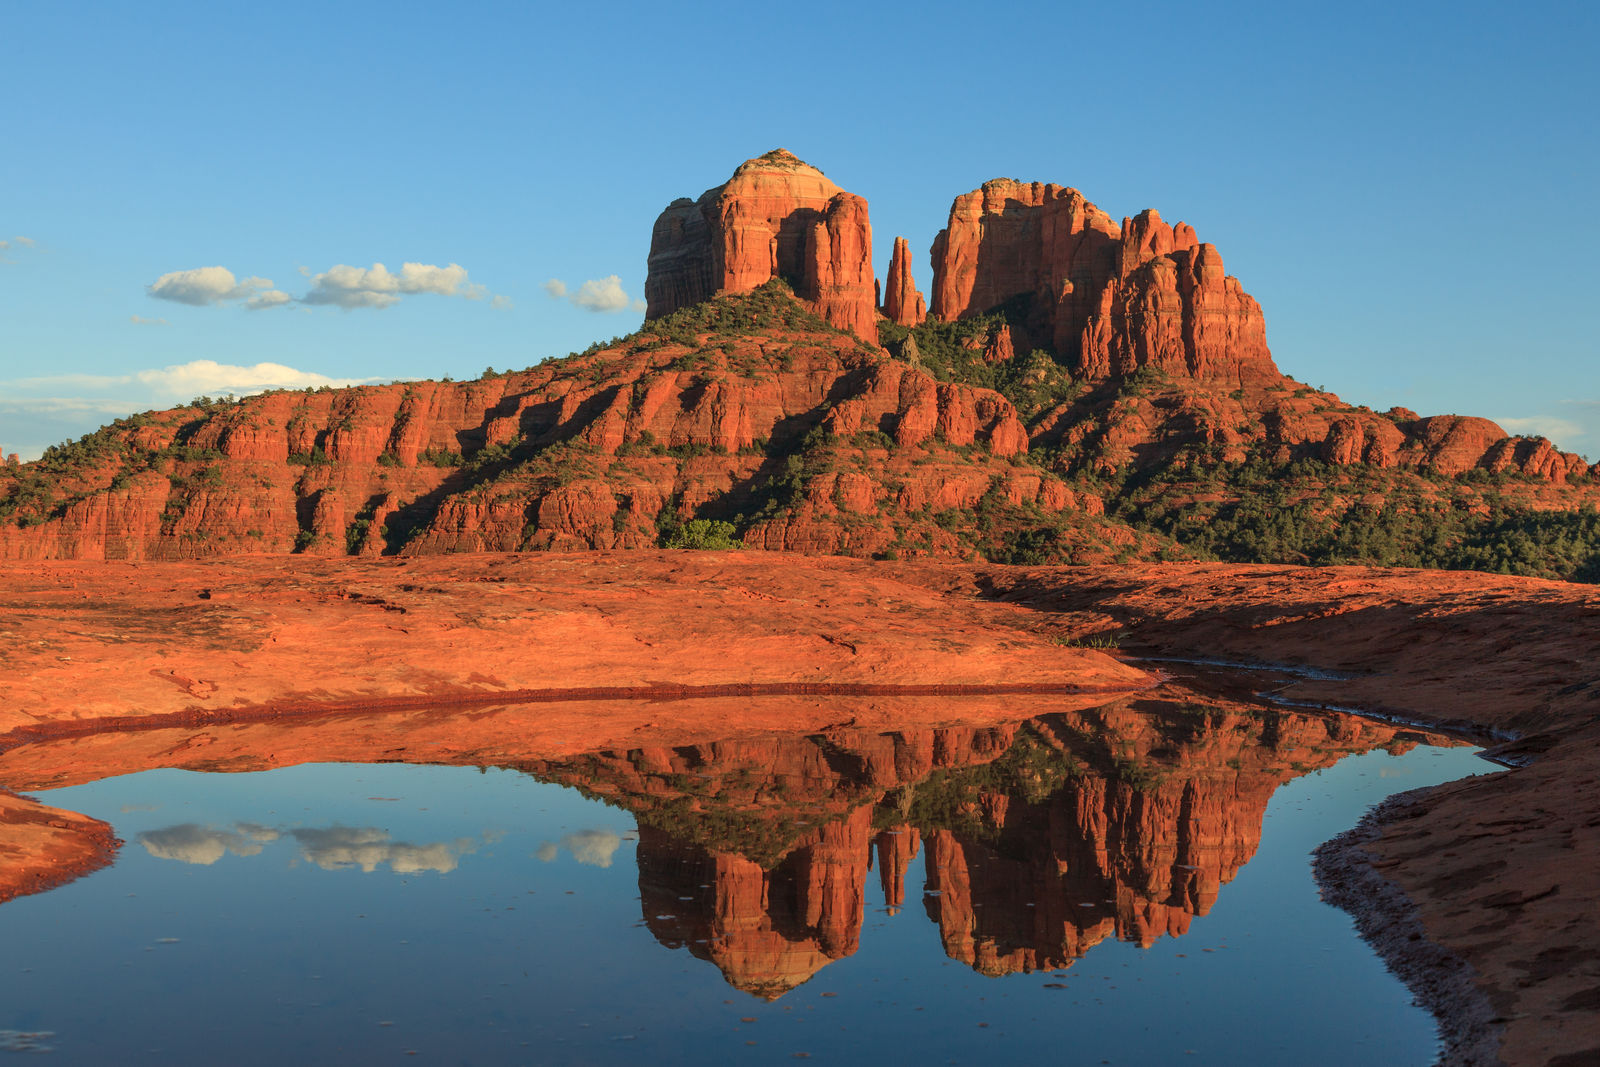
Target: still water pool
(1129,890)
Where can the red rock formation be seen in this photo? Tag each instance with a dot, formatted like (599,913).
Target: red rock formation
(999,349)
(902,303)
(713,418)
(574,454)
(1352,439)
(1180,314)
(1109,299)
(1450,444)
(775,218)
(1011,239)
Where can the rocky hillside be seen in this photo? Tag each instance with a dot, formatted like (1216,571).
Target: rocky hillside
(747,415)
(1079,390)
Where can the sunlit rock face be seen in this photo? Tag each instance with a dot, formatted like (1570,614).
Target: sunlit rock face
(903,305)
(1109,299)
(1038,839)
(777,217)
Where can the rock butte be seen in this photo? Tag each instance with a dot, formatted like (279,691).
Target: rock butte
(777,217)
(1109,300)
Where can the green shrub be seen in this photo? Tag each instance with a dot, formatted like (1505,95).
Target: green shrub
(704,534)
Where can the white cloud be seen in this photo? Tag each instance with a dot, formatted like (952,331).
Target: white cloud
(15,242)
(185,380)
(601,294)
(204,286)
(502,303)
(376,287)
(338,286)
(140,320)
(269,298)
(597,294)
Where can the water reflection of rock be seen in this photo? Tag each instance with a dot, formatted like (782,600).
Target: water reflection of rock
(1039,839)
(768,930)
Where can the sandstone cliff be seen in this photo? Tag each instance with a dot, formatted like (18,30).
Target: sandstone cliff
(777,217)
(1108,299)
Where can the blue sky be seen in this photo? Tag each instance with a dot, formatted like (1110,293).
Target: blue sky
(1410,194)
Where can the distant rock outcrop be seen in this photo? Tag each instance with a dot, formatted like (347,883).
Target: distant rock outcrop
(1108,299)
(777,217)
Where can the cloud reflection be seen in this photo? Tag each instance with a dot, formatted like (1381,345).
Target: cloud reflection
(204,845)
(338,847)
(331,848)
(594,848)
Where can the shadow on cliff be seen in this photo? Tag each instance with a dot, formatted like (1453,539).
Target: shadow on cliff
(539,427)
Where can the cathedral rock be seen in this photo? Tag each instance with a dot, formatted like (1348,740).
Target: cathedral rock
(1108,299)
(777,217)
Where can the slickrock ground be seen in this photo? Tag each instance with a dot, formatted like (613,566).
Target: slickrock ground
(1503,870)
(41,848)
(247,636)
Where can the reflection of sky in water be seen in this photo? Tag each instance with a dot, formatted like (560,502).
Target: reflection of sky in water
(203,845)
(516,958)
(593,848)
(367,848)
(342,846)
